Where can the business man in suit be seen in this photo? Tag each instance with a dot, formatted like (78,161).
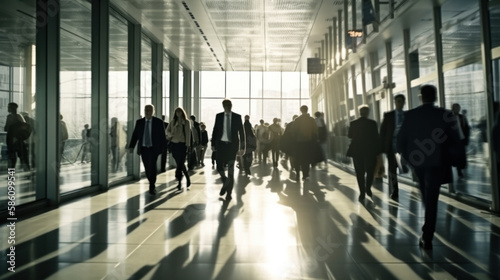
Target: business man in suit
(364,148)
(150,133)
(388,137)
(423,140)
(228,137)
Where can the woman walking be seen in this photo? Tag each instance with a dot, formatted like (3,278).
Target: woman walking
(179,135)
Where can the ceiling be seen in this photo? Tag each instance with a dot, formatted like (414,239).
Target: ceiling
(231,35)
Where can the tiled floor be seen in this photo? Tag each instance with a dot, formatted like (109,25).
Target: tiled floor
(274,228)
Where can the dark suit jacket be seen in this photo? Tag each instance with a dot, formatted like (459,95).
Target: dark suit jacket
(426,133)
(365,139)
(157,135)
(237,134)
(387,132)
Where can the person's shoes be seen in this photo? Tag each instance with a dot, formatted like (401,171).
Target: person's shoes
(188,184)
(228,197)
(426,245)
(369,192)
(152,192)
(361,197)
(395,195)
(179,185)
(223,189)
(305,178)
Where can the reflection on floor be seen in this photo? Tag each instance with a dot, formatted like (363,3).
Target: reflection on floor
(274,228)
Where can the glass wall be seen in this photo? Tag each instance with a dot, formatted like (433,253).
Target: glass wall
(75,95)
(146,78)
(166,87)
(17,84)
(118,95)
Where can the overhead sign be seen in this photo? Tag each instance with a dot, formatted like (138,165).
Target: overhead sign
(314,66)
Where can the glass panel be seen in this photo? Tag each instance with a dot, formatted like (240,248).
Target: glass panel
(272,85)
(398,67)
(256,111)
(17,84)
(290,84)
(461,30)
(256,83)
(212,84)
(464,86)
(290,108)
(118,97)
(166,87)
(146,78)
(272,109)
(237,84)
(75,94)
(240,106)
(304,86)
(495,23)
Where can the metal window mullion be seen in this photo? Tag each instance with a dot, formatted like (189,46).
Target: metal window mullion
(157,77)
(488,82)
(174,85)
(99,93)
(134,92)
(47,91)
(438,43)
(406,45)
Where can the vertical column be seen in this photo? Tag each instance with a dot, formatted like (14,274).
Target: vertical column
(47,99)
(354,40)
(335,48)
(28,90)
(187,91)
(327,56)
(330,49)
(438,43)
(134,92)
(391,8)
(377,15)
(340,32)
(354,90)
(99,111)
(406,46)
(196,94)
(346,27)
(488,82)
(363,80)
(156,75)
(388,59)
(322,58)
(174,84)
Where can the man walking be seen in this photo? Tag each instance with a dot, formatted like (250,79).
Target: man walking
(424,140)
(150,133)
(228,137)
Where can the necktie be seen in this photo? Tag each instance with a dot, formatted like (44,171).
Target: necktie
(147,137)
(228,127)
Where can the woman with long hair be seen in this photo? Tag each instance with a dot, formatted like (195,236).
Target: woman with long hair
(179,135)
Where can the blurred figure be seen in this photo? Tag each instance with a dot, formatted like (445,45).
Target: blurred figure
(306,136)
(288,144)
(463,130)
(276,132)
(259,131)
(322,134)
(63,137)
(118,138)
(16,147)
(149,134)
(251,145)
(388,137)
(31,140)
(195,148)
(85,142)
(364,148)
(164,154)
(204,143)
(179,134)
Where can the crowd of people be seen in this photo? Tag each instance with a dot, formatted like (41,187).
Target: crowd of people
(429,139)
